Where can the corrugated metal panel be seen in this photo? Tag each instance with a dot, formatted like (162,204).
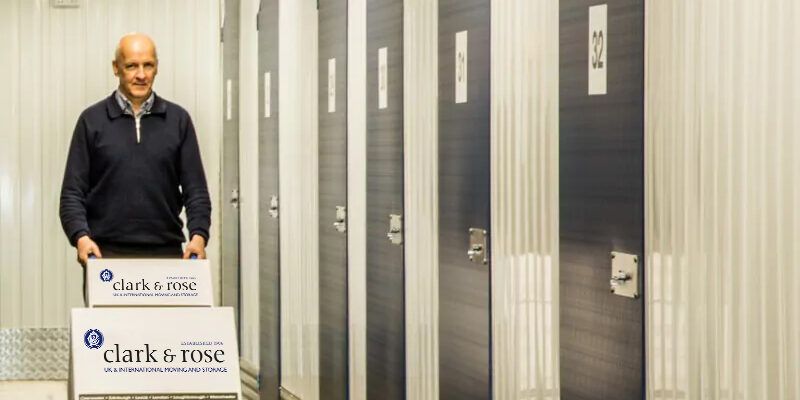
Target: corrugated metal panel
(722,220)
(34,354)
(420,60)
(299,214)
(56,62)
(357,195)
(524,160)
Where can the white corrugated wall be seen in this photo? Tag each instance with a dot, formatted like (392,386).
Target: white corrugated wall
(357,196)
(524,163)
(56,62)
(722,199)
(421,99)
(299,198)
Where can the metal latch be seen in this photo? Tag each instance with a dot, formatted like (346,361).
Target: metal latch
(235,198)
(273,206)
(477,252)
(624,275)
(341,219)
(619,278)
(395,234)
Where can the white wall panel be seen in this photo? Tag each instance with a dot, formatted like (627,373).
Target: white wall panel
(722,220)
(420,66)
(357,195)
(299,218)
(56,62)
(524,162)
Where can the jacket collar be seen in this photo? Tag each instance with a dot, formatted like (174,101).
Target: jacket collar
(115,111)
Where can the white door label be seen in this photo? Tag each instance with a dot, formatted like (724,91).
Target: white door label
(154,353)
(156,282)
(332,85)
(383,78)
(598,48)
(461,67)
(267,94)
(228,105)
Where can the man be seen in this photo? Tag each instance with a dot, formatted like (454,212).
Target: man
(133,164)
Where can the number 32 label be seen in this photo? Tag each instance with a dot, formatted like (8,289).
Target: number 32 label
(598,49)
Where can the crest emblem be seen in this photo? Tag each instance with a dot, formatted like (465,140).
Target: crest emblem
(93,339)
(106,275)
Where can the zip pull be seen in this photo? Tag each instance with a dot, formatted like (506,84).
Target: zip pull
(139,129)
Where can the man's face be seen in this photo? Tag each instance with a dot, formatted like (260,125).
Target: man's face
(136,68)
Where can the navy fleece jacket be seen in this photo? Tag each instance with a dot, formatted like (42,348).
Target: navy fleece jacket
(118,190)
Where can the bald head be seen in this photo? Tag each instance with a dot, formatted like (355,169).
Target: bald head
(136,66)
(134,42)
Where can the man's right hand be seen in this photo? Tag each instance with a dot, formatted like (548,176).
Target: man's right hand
(85,247)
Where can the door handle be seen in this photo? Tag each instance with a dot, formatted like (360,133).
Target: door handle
(395,234)
(624,274)
(273,206)
(235,198)
(477,246)
(340,223)
(475,251)
(619,278)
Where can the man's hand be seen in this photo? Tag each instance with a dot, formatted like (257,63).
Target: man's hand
(195,246)
(85,247)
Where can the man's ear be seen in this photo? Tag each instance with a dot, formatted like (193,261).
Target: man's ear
(114,68)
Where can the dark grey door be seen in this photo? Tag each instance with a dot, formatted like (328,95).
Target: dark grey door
(268,212)
(385,275)
(230,159)
(601,199)
(464,284)
(333,350)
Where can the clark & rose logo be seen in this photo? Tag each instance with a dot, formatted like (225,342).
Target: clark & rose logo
(106,275)
(93,339)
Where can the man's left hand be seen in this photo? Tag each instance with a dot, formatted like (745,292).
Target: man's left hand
(195,246)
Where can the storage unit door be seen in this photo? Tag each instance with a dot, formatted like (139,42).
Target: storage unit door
(385,275)
(268,211)
(333,364)
(601,198)
(464,261)
(230,159)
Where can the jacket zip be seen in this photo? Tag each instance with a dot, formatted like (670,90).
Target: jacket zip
(139,129)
